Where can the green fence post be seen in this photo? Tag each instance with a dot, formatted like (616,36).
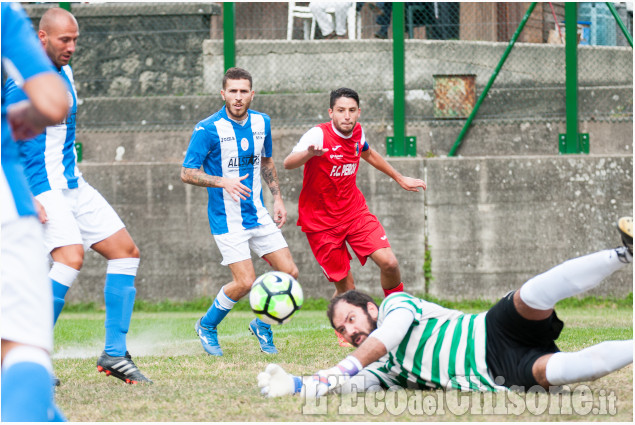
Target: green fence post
(229,35)
(619,22)
(477,105)
(65,6)
(571,66)
(399,79)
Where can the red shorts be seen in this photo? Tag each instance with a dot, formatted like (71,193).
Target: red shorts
(364,234)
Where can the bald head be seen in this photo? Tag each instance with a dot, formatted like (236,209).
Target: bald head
(54,17)
(58,34)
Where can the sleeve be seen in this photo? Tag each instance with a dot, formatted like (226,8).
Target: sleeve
(314,137)
(199,147)
(22,54)
(267,147)
(394,328)
(363,142)
(13,93)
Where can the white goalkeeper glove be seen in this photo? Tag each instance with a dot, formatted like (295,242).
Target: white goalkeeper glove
(275,382)
(325,380)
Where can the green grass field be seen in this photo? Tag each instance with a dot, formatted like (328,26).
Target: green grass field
(189,385)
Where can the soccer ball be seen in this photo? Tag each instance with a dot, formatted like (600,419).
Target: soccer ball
(275,296)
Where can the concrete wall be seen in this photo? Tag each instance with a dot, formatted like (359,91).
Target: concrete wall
(138,49)
(508,209)
(491,222)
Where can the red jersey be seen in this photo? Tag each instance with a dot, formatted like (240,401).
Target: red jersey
(330,196)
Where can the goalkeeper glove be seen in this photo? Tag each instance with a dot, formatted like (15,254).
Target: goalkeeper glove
(275,382)
(325,380)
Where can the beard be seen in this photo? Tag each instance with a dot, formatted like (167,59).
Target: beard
(355,336)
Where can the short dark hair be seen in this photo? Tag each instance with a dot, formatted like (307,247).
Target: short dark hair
(236,73)
(344,92)
(356,298)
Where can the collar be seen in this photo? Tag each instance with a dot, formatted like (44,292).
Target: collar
(340,134)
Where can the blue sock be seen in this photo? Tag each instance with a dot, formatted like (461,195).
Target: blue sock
(59,293)
(27,394)
(219,309)
(261,323)
(119,295)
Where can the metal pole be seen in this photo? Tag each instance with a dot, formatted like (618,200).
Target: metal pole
(571,66)
(229,35)
(399,79)
(492,79)
(619,22)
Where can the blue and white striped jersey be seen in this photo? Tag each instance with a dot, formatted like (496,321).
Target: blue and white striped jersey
(22,59)
(50,159)
(227,149)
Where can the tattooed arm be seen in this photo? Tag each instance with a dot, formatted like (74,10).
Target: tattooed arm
(234,187)
(270,176)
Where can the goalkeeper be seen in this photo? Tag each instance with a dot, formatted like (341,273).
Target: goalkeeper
(407,342)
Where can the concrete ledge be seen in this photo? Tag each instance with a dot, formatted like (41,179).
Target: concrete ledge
(35,11)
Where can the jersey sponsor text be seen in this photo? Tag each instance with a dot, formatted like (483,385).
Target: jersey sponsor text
(242,161)
(343,170)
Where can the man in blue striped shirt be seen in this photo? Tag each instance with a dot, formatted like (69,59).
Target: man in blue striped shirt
(234,148)
(76,217)
(27,336)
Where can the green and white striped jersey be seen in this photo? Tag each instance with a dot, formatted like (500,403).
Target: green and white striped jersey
(443,348)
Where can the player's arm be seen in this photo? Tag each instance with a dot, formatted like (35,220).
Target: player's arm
(270,176)
(275,382)
(234,187)
(47,105)
(310,145)
(376,160)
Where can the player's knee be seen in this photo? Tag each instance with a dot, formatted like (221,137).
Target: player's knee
(293,271)
(75,260)
(390,265)
(133,251)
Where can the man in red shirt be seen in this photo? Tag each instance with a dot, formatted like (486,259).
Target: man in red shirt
(332,209)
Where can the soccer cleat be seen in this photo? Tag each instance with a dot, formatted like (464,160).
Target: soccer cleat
(625,227)
(55,380)
(121,367)
(209,339)
(263,332)
(341,341)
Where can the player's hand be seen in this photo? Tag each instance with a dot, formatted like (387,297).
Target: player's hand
(41,212)
(317,386)
(275,382)
(411,184)
(316,150)
(23,127)
(236,189)
(279,213)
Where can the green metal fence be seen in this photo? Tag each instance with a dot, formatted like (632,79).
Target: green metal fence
(150,50)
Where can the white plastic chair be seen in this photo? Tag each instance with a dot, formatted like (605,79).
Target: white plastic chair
(353,21)
(302,12)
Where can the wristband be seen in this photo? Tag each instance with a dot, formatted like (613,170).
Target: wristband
(297,382)
(350,366)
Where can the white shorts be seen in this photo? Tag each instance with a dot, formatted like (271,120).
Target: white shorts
(27,296)
(263,240)
(77,217)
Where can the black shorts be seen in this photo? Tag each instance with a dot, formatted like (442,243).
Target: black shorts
(515,343)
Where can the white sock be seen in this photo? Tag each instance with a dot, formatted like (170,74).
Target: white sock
(590,363)
(569,278)
(127,266)
(63,274)
(27,353)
